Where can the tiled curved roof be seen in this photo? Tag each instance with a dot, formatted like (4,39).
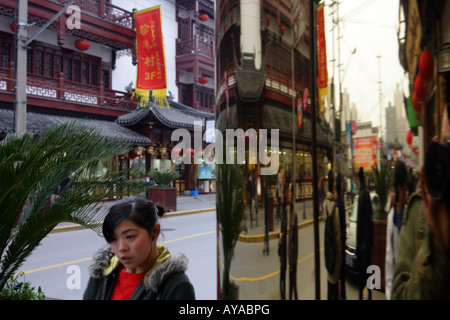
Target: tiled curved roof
(175,116)
(38,123)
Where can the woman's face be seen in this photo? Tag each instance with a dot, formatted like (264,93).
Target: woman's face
(134,246)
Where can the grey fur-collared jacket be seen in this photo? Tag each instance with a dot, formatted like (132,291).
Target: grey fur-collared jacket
(166,280)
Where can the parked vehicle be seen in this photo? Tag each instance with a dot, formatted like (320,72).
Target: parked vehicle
(351,259)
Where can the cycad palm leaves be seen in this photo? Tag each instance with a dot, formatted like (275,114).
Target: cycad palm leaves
(31,168)
(231,214)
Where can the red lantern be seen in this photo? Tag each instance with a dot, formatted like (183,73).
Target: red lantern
(231,16)
(419,88)
(409,137)
(176,151)
(82,45)
(203,80)
(203,17)
(132,155)
(190,151)
(13,25)
(267,19)
(282,29)
(426,65)
(416,103)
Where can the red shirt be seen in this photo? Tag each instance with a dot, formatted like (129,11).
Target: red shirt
(126,285)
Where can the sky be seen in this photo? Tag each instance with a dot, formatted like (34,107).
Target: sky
(371,27)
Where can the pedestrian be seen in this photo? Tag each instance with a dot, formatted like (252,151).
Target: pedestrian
(282,247)
(348,189)
(364,234)
(266,188)
(353,189)
(322,194)
(341,209)
(394,223)
(133,266)
(252,193)
(335,237)
(293,251)
(422,270)
(280,181)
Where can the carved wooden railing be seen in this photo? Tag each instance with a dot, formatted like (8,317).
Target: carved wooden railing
(68,91)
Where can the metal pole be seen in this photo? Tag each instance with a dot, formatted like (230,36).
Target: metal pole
(294,118)
(20,102)
(312,59)
(381,106)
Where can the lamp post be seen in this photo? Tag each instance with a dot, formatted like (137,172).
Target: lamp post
(341,81)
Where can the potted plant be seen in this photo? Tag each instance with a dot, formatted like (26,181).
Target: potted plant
(163,193)
(231,219)
(382,177)
(32,168)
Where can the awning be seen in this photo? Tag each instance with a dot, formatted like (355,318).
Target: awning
(38,123)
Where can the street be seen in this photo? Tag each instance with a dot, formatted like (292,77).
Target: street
(61,257)
(60,264)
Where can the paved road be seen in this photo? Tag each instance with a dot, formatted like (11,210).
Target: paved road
(64,257)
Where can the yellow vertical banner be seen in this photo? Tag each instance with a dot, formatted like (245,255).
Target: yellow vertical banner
(151,69)
(322,77)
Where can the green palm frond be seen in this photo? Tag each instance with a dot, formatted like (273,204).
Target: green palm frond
(231,213)
(382,177)
(31,168)
(163,178)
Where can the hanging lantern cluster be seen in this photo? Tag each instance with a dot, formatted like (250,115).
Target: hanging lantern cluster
(423,77)
(82,45)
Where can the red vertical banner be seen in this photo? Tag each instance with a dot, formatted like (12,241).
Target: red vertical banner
(322,76)
(151,69)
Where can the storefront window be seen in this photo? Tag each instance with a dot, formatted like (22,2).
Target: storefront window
(205,171)
(161,164)
(104,166)
(138,166)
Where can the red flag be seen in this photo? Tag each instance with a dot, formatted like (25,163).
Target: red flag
(151,71)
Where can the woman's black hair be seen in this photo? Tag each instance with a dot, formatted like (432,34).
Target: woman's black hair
(400,177)
(330,181)
(338,183)
(144,213)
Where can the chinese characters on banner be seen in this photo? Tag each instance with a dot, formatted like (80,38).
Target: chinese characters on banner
(151,71)
(365,154)
(322,77)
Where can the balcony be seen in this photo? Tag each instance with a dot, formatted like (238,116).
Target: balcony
(198,45)
(102,21)
(51,92)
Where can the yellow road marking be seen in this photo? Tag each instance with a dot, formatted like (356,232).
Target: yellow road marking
(55,266)
(270,274)
(86,259)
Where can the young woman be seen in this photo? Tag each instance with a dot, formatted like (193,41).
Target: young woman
(133,266)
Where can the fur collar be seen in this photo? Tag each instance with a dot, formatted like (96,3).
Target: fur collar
(105,262)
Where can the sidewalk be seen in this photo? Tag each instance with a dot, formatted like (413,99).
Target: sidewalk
(185,205)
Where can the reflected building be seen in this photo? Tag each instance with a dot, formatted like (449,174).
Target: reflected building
(263,81)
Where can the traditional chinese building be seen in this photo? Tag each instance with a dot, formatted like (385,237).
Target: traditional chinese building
(264,82)
(195,53)
(70,66)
